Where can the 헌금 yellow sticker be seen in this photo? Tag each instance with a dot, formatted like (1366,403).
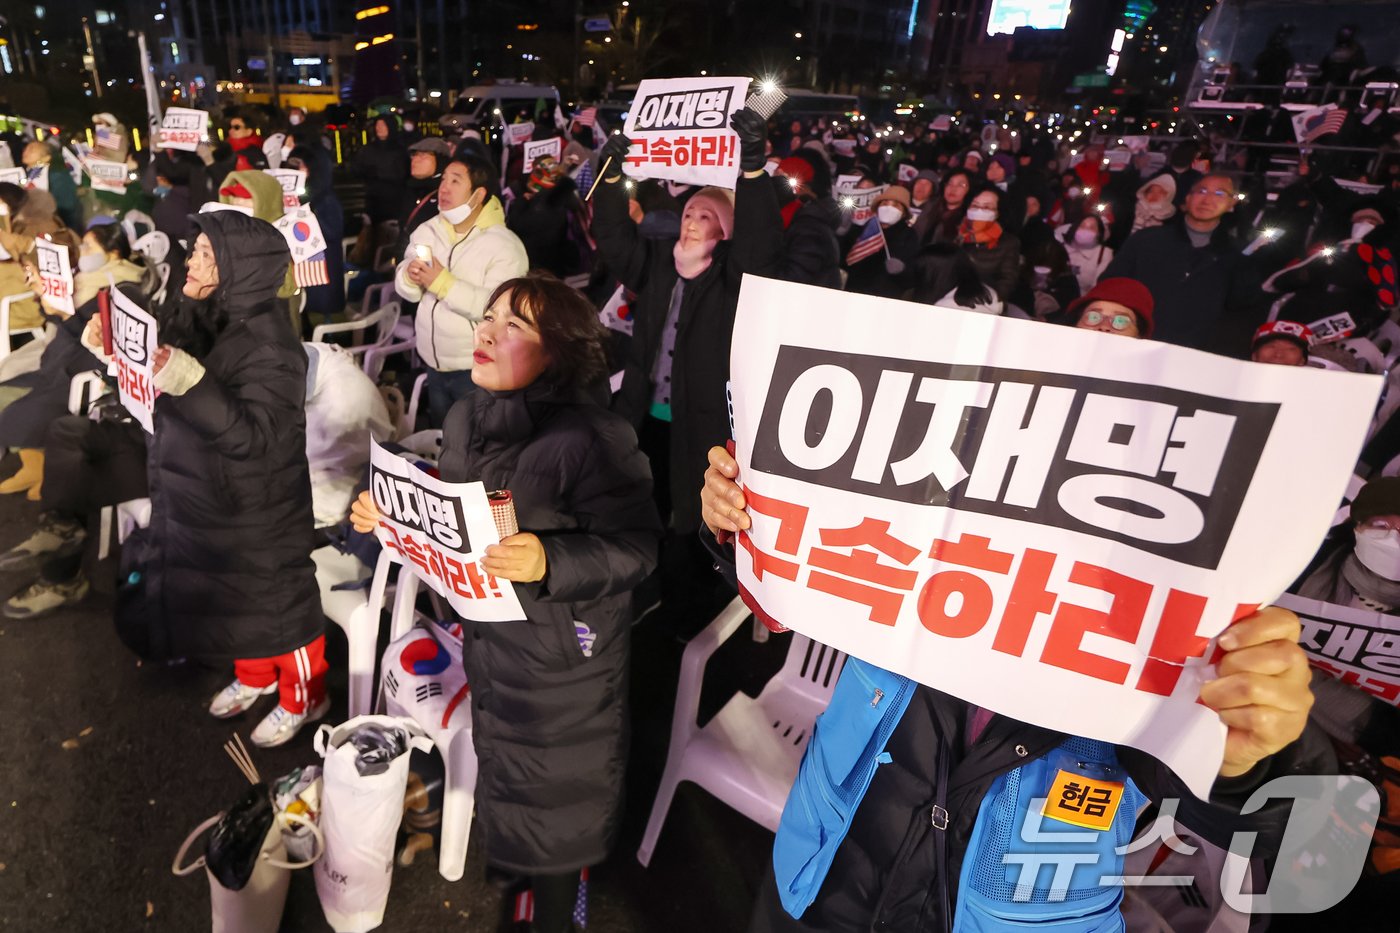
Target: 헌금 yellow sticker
(1083,801)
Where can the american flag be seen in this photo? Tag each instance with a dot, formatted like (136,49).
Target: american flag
(1311,125)
(312,272)
(870,242)
(588,116)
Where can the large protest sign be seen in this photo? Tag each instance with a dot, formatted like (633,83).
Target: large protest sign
(679,129)
(1050,523)
(13,176)
(442,529)
(183,128)
(55,274)
(553,147)
(518,134)
(133,355)
(1356,646)
(293,182)
(107,176)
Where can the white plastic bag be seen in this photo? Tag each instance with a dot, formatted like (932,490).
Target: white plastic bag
(360,817)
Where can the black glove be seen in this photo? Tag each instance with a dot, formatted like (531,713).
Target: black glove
(611,157)
(752,131)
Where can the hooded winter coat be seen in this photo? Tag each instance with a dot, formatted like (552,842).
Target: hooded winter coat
(383,166)
(228,574)
(549,694)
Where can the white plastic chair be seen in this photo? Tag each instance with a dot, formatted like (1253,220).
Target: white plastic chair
(83,390)
(381,321)
(5,333)
(357,613)
(454,744)
(155,246)
(403,339)
(162,270)
(416,398)
(374,297)
(748,754)
(426,444)
(133,217)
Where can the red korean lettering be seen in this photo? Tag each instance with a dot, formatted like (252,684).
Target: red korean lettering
(463,579)
(724,154)
(1030,598)
(393,543)
(1175,641)
(1122,621)
(661,151)
(685,150)
(413,550)
(975,608)
(635,156)
(792,520)
(884,604)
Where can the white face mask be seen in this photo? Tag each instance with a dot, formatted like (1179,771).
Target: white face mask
(1085,237)
(982,214)
(1361,228)
(409,126)
(91,262)
(455,215)
(1378,549)
(889,214)
(295,119)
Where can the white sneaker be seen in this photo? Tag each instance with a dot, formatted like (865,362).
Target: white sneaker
(281,725)
(236,698)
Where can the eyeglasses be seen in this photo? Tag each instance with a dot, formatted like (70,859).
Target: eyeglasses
(1117,321)
(1218,192)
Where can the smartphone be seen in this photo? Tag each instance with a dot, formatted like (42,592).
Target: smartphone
(423,252)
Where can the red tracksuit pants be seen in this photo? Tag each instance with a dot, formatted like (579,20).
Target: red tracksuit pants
(300,675)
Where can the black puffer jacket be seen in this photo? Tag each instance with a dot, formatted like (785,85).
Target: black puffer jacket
(700,370)
(383,166)
(230,573)
(549,723)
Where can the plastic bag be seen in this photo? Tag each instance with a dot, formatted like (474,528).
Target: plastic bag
(237,840)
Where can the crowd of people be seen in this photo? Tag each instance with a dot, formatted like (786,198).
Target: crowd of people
(261,437)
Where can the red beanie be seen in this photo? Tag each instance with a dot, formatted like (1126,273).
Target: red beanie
(798,168)
(1124,291)
(236,190)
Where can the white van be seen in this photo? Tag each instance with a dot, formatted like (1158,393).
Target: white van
(487,107)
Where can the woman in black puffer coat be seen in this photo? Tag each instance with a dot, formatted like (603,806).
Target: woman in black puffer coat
(228,574)
(549,713)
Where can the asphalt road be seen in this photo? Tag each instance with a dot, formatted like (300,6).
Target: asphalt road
(106,764)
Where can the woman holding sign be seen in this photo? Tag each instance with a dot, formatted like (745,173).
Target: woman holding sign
(228,576)
(549,694)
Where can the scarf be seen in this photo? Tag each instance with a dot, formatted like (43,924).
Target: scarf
(694,260)
(1151,215)
(988,238)
(1372,590)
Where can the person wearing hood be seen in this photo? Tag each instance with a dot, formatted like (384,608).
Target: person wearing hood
(811,252)
(228,576)
(548,216)
(939,221)
(1086,250)
(260,193)
(549,693)
(921,192)
(176,179)
(1001,171)
(32,215)
(383,166)
(887,273)
(674,381)
(453,264)
(44,168)
(1156,202)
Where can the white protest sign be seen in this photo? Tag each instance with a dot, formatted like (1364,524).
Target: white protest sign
(1047,522)
(1356,646)
(679,129)
(302,232)
(846,148)
(846,183)
(517,134)
(107,176)
(441,530)
(14,176)
(541,147)
(56,274)
(1335,327)
(861,202)
(37,179)
(133,353)
(293,182)
(941,123)
(183,128)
